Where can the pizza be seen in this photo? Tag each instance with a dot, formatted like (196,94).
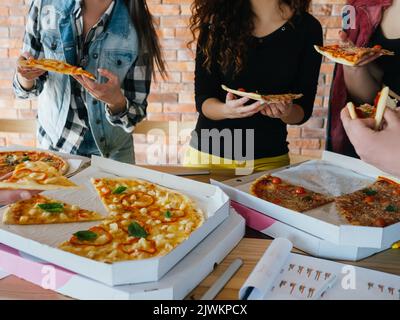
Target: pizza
(42,210)
(274,98)
(375,206)
(10,159)
(350,55)
(146,220)
(375,111)
(36,176)
(275,190)
(55,66)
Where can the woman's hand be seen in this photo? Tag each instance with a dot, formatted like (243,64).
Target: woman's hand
(109,92)
(379,148)
(278,110)
(236,108)
(27,76)
(11,196)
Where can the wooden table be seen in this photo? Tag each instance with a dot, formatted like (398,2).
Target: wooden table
(250,249)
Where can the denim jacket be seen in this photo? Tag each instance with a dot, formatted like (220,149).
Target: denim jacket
(116,49)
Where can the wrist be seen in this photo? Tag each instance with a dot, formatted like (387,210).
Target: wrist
(118,106)
(24,83)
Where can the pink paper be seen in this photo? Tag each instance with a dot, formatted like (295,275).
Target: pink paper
(254,219)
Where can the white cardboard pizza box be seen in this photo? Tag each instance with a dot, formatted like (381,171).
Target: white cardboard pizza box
(334,172)
(41,241)
(302,240)
(175,285)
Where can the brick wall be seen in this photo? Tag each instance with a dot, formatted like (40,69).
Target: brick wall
(172,99)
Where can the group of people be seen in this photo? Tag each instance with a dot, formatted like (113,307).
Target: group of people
(255,45)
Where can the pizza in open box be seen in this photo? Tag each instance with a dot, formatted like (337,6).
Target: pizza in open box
(275,190)
(146,220)
(375,206)
(10,159)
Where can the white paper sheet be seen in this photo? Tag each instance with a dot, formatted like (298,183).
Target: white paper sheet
(304,277)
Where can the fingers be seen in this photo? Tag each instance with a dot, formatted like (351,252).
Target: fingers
(11,196)
(392,118)
(368,60)
(250,109)
(107,74)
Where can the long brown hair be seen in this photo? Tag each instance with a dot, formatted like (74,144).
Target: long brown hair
(148,40)
(225,27)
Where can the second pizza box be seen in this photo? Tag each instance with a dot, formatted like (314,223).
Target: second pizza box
(41,240)
(334,175)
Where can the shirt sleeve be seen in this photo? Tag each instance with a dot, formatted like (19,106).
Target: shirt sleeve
(31,44)
(308,72)
(207,83)
(136,88)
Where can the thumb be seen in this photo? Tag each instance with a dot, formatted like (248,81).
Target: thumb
(392,117)
(11,196)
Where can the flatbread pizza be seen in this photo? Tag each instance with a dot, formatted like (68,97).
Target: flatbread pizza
(350,55)
(375,111)
(375,206)
(55,66)
(275,190)
(276,98)
(36,176)
(10,159)
(43,210)
(146,220)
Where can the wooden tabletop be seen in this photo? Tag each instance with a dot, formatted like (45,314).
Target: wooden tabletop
(250,249)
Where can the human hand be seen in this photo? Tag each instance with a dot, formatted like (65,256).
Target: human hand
(28,74)
(109,92)
(379,148)
(236,108)
(11,196)
(278,110)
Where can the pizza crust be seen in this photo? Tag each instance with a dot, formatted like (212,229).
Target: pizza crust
(381,107)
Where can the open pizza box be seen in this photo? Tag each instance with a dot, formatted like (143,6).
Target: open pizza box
(41,241)
(335,175)
(175,285)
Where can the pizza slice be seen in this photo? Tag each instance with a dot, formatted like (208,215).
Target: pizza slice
(350,55)
(42,210)
(375,206)
(376,111)
(274,98)
(36,176)
(55,66)
(10,159)
(275,190)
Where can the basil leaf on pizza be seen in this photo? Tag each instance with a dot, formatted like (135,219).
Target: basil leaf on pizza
(119,190)
(86,235)
(137,231)
(51,207)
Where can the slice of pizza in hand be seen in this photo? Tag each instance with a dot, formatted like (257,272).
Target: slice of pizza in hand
(36,176)
(55,66)
(275,190)
(350,55)
(273,98)
(375,206)
(42,210)
(366,111)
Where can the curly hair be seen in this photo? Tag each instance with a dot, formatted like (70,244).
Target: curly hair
(229,25)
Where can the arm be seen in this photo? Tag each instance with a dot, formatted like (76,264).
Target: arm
(207,93)
(363,81)
(28,82)
(306,82)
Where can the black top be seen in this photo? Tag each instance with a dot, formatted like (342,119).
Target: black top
(390,65)
(285,61)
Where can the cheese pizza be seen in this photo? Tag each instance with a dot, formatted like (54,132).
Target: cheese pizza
(36,176)
(10,159)
(55,66)
(350,55)
(275,98)
(275,190)
(146,220)
(376,111)
(43,210)
(375,206)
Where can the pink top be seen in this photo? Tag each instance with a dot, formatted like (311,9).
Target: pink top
(369,15)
